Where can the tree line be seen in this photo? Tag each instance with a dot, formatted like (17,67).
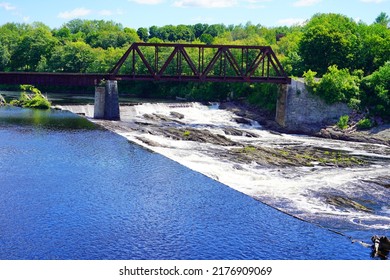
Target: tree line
(328,45)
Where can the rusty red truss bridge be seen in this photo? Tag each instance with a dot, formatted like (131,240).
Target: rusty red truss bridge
(173,62)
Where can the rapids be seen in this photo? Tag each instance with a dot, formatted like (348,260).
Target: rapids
(353,201)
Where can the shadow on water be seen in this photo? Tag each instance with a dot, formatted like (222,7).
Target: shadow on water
(49,119)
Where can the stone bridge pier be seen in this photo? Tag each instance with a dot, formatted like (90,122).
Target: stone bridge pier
(107,101)
(297,108)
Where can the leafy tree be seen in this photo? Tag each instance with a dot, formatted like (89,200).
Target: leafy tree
(154,32)
(206,38)
(374,47)
(63,34)
(143,33)
(329,39)
(33,46)
(72,57)
(215,29)
(105,59)
(5,56)
(383,19)
(375,91)
(288,50)
(185,33)
(199,29)
(337,85)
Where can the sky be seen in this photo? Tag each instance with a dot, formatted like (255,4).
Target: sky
(145,13)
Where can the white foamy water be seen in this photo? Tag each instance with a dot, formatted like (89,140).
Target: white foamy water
(300,191)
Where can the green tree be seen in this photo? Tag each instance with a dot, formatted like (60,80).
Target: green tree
(185,33)
(154,32)
(33,46)
(215,29)
(383,19)
(199,29)
(374,48)
(5,56)
(206,38)
(288,51)
(375,91)
(329,39)
(143,33)
(72,57)
(337,85)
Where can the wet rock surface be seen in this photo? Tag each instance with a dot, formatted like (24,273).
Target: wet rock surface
(347,203)
(293,156)
(173,126)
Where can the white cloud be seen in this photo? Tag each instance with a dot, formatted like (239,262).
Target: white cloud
(291,21)
(7,6)
(78,12)
(306,3)
(205,3)
(106,13)
(372,1)
(147,2)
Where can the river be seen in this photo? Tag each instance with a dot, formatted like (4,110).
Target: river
(75,191)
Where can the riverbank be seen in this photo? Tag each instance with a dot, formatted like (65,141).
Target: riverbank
(376,135)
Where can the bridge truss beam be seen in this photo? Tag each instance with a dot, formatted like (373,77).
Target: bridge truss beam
(200,63)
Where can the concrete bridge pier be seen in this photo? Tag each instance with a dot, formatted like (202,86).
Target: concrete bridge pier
(298,109)
(107,101)
(281,105)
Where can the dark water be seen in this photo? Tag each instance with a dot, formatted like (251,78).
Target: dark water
(69,191)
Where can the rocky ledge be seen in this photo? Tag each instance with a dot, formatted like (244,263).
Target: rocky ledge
(171,127)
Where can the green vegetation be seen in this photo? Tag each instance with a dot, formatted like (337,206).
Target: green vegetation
(365,124)
(31,97)
(349,56)
(337,85)
(375,92)
(186,134)
(247,150)
(343,122)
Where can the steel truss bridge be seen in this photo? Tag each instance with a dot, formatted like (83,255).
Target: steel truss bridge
(173,62)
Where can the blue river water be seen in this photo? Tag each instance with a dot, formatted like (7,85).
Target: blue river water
(70,190)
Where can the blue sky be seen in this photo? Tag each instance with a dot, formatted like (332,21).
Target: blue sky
(145,13)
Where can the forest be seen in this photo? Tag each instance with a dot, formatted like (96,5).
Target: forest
(351,58)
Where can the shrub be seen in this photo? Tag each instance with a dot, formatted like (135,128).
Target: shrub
(310,80)
(338,85)
(343,122)
(35,100)
(186,134)
(375,91)
(365,124)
